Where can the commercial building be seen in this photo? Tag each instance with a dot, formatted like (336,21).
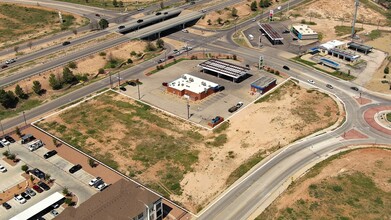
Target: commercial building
(304,32)
(271,34)
(224,69)
(338,49)
(360,47)
(263,84)
(122,200)
(192,87)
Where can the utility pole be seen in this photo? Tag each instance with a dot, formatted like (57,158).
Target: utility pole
(111,82)
(138,90)
(119,80)
(356,4)
(188,108)
(24,116)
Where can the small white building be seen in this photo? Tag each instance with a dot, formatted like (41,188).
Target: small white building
(338,49)
(304,32)
(193,87)
(333,44)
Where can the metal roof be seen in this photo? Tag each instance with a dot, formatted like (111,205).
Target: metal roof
(150,19)
(165,25)
(345,53)
(225,68)
(270,32)
(262,82)
(360,46)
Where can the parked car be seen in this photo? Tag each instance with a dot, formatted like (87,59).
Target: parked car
(5,142)
(311,81)
(286,67)
(140,9)
(131,83)
(97,183)
(10,61)
(161,60)
(43,185)
(25,196)
(185,31)
(97,15)
(93,181)
(286,32)
(102,186)
(38,173)
(19,199)
(140,20)
(3,169)
(54,212)
(30,192)
(9,138)
(66,43)
(329,86)
(6,205)
(1,145)
(56,205)
(354,88)
(75,168)
(235,107)
(50,154)
(294,38)
(121,27)
(37,188)
(122,88)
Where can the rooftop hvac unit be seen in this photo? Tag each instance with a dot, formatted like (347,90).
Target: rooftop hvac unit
(203,83)
(191,79)
(184,77)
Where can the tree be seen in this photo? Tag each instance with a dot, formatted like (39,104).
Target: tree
(8,99)
(253,6)
(16,49)
(67,76)
(121,4)
(115,3)
(160,43)
(264,3)
(234,12)
(54,82)
(209,22)
(103,23)
(91,162)
(65,191)
(130,61)
(17,131)
(101,71)
(30,44)
(386,70)
(150,46)
(55,143)
(68,201)
(74,31)
(19,92)
(72,65)
(37,87)
(25,168)
(219,20)
(47,176)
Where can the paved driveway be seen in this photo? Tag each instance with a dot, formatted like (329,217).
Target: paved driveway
(56,166)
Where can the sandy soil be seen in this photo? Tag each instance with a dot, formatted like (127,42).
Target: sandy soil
(243,10)
(43,31)
(328,14)
(373,162)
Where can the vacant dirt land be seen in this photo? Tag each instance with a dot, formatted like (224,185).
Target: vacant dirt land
(351,185)
(328,14)
(20,23)
(180,160)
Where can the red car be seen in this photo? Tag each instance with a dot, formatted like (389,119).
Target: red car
(4,66)
(37,188)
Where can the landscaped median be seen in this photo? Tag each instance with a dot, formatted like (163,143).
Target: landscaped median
(178,159)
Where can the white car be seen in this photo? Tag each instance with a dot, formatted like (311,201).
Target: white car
(3,169)
(311,81)
(5,142)
(185,31)
(102,186)
(19,199)
(93,181)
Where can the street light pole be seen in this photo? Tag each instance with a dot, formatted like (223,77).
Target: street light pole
(111,82)
(188,109)
(119,80)
(24,116)
(138,90)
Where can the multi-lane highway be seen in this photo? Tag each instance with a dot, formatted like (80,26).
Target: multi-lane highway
(258,189)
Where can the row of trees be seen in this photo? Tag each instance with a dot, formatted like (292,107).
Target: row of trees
(261,4)
(9,99)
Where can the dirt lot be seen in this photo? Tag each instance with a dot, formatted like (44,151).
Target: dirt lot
(328,14)
(20,23)
(201,161)
(353,185)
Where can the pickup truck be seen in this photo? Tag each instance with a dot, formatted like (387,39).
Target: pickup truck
(235,107)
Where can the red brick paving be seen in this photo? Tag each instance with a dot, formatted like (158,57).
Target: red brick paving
(369,117)
(353,134)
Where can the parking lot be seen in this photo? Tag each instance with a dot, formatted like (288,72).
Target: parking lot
(56,166)
(217,104)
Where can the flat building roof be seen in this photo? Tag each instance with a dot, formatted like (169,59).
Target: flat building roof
(225,68)
(192,84)
(304,29)
(360,46)
(270,32)
(263,82)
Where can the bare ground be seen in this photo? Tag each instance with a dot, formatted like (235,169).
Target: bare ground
(374,163)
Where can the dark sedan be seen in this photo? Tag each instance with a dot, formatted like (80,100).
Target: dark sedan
(75,168)
(9,139)
(37,188)
(50,154)
(7,206)
(43,185)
